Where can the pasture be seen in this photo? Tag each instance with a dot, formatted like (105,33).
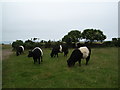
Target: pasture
(101,71)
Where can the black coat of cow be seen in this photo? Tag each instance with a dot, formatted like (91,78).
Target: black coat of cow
(77,55)
(19,50)
(36,53)
(59,49)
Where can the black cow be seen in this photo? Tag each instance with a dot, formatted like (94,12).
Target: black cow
(78,54)
(59,49)
(37,54)
(19,50)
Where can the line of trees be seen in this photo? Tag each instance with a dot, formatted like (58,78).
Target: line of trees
(30,44)
(91,36)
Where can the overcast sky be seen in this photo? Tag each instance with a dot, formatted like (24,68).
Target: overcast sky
(52,20)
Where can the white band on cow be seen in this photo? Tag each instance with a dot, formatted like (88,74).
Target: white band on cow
(60,48)
(39,49)
(85,52)
(22,47)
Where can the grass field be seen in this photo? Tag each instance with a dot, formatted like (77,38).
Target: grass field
(102,71)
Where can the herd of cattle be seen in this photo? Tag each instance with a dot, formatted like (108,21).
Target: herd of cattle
(80,52)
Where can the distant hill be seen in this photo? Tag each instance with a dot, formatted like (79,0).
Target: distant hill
(6,42)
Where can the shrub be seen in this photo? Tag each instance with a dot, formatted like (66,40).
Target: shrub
(108,44)
(29,44)
(17,43)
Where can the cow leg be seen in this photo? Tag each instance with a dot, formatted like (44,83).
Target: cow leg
(20,52)
(79,61)
(35,60)
(41,59)
(23,52)
(87,59)
(65,54)
(57,54)
(17,53)
(54,55)
(73,63)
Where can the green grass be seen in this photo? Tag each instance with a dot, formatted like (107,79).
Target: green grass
(102,71)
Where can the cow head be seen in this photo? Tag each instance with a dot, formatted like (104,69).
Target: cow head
(78,45)
(17,53)
(70,63)
(52,54)
(65,53)
(30,54)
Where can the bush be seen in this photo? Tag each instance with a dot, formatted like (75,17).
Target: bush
(108,44)
(118,42)
(29,44)
(38,44)
(17,43)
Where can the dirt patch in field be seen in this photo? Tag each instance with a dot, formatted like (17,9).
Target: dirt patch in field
(6,53)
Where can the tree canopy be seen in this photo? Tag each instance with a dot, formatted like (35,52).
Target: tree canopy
(88,34)
(93,34)
(17,43)
(72,36)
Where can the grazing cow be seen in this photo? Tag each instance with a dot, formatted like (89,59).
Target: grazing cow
(59,49)
(37,54)
(19,50)
(78,54)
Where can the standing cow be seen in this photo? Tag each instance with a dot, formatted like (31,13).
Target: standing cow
(59,49)
(19,50)
(83,52)
(37,54)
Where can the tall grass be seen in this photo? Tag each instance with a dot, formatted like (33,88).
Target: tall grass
(102,71)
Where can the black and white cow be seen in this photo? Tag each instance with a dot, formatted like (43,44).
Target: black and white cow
(37,54)
(19,50)
(83,52)
(59,49)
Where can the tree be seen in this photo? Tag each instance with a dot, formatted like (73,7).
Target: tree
(99,36)
(17,43)
(75,35)
(48,44)
(42,41)
(35,39)
(116,41)
(29,44)
(67,39)
(88,35)
(29,41)
(92,35)
(72,36)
